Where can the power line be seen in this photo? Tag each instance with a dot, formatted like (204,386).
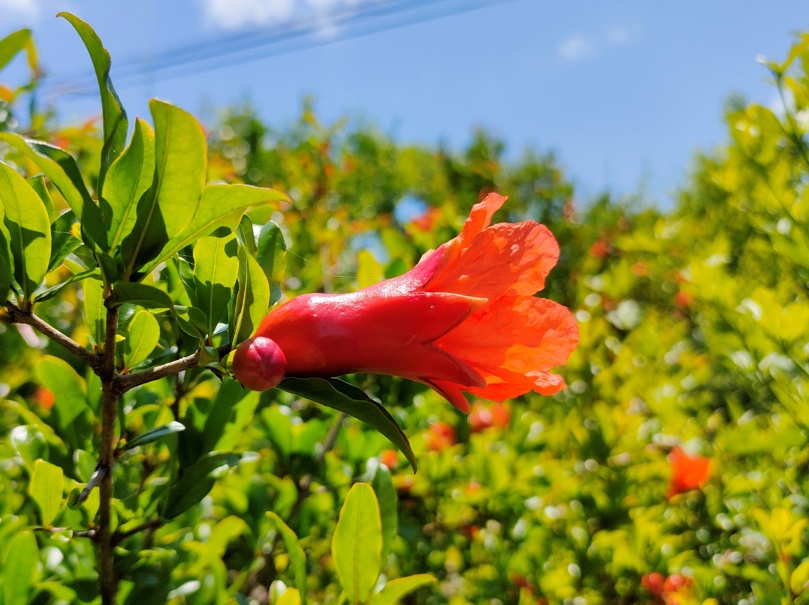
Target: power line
(275,41)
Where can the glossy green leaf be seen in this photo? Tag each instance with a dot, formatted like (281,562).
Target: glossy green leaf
(291,596)
(70,398)
(357,543)
(115,122)
(29,229)
(216,266)
(29,443)
(246,235)
(386,496)
(54,290)
(297,558)
(197,480)
(38,184)
(220,206)
(252,299)
(95,313)
(62,170)
(149,297)
(13,44)
(271,255)
(155,434)
(345,397)
(46,486)
(129,179)
(394,590)
(192,321)
(63,242)
(6,262)
(19,569)
(180,161)
(85,465)
(228,399)
(142,336)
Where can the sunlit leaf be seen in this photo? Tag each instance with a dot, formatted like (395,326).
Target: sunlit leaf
(394,590)
(271,255)
(70,398)
(155,434)
(115,122)
(12,44)
(47,484)
(142,336)
(216,266)
(252,299)
(386,496)
(345,397)
(19,569)
(297,557)
(357,543)
(221,206)
(128,180)
(26,220)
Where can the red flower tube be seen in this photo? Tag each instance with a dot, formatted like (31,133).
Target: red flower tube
(464,319)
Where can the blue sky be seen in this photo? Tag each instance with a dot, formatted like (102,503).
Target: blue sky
(623,92)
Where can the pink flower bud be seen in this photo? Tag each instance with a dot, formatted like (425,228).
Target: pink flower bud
(259,363)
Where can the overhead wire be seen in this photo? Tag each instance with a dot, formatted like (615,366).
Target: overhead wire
(246,47)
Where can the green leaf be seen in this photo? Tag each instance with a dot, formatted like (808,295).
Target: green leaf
(271,255)
(12,44)
(220,206)
(29,443)
(155,434)
(95,312)
(394,590)
(142,336)
(386,495)
(5,260)
(53,291)
(129,179)
(357,543)
(149,297)
(47,484)
(115,122)
(38,184)
(180,163)
(228,397)
(345,397)
(216,266)
(197,481)
(252,299)
(62,170)
(246,236)
(63,242)
(70,398)
(297,558)
(26,220)
(19,567)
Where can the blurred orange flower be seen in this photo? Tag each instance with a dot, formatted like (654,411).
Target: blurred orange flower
(44,397)
(687,472)
(439,437)
(389,458)
(463,320)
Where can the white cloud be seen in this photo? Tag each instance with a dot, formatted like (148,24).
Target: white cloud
(19,8)
(619,35)
(575,48)
(237,14)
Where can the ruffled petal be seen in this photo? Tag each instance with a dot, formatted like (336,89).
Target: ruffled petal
(505,258)
(520,334)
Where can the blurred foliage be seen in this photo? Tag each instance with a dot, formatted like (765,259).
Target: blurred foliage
(694,324)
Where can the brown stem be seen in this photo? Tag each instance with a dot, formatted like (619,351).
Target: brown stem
(16,315)
(130,381)
(119,536)
(108,581)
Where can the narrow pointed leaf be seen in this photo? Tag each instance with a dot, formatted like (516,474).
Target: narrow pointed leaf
(252,299)
(12,44)
(271,255)
(63,242)
(149,297)
(128,180)
(62,170)
(216,267)
(19,567)
(115,122)
(142,336)
(345,397)
(386,495)
(197,481)
(297,557)
(155,434)
(357,543)
(221,206)
(47,484)
(26,220)
(394,590)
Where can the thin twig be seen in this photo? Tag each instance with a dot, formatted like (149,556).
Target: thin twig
(120,536)
(129,381)
(92,483)
(17,315)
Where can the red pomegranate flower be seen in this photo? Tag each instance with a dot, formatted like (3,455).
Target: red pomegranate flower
(464,319)
(687,472)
